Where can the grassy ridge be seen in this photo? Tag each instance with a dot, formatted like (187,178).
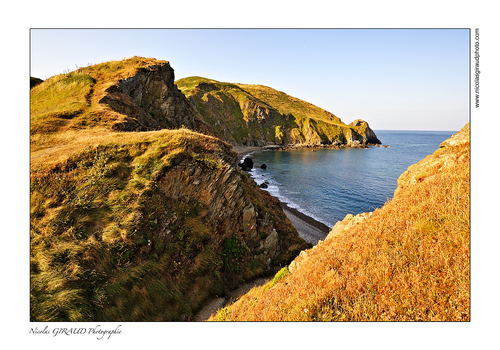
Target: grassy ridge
(409,261)
(71,100)
(257,114)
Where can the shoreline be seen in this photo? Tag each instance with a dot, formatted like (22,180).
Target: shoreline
(310,229)
(242,151)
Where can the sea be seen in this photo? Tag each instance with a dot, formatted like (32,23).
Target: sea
(328,184)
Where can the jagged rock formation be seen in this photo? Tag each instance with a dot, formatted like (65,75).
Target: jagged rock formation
(224,192)
(151,101)
(256,115)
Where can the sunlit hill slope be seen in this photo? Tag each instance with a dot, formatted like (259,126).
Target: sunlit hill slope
(407,261)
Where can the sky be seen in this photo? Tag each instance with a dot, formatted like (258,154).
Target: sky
(395,79)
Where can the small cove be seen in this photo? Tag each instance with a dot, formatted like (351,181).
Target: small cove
(328,184)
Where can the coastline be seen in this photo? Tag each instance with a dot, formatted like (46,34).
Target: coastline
(242,151)
(308,228)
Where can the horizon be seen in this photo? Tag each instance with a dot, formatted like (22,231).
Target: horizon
(415,130)
(377,75)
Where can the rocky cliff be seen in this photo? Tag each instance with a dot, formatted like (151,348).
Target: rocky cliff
(151,101)
(257,115)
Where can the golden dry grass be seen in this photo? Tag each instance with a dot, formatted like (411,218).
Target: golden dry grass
(66,106)
(410,261)
(90,210)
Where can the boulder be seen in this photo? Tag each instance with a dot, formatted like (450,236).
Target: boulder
(247,164)
(271,244)
(263,166)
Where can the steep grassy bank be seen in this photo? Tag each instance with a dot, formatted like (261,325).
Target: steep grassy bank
(259,115)
(407,261)
(120,230)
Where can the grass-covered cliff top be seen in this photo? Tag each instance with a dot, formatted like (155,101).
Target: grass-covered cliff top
(409,261)
(269,97)
(65,113)
(69,102)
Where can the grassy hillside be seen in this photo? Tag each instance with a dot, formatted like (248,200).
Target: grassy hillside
(109,243)
(137,226)
(258,115)
(407,261)
(71,101)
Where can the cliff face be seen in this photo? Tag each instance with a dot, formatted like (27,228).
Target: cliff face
(257,115)
(226,194)
(151,101)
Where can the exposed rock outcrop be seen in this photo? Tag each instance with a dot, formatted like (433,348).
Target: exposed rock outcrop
(151,101)
(363,130)
(441,160)
(349,221)
(224,193)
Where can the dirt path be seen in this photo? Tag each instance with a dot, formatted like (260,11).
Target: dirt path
(215,304)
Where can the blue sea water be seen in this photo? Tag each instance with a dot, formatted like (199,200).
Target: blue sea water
(329,184)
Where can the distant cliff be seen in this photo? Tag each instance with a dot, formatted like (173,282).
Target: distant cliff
(257,115)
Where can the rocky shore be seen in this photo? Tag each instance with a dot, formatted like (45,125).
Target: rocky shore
(308,228)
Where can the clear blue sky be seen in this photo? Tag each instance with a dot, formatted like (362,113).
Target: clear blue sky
(399,79)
